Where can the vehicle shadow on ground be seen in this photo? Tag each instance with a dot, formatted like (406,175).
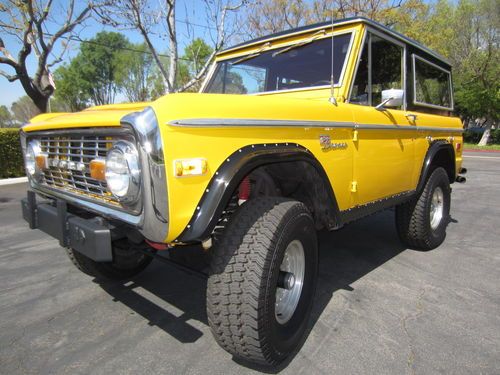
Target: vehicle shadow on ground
(170,298)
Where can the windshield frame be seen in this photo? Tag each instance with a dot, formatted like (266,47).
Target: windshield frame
(328,35)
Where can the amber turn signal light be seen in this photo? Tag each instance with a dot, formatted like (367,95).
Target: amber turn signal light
(41,161)
(190,167)
(98,169)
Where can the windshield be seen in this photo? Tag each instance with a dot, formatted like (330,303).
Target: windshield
(307,65)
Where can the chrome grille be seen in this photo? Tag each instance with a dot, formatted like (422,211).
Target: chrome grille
(69,158)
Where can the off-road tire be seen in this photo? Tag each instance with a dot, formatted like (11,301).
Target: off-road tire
(241,291)
(126,263)
(413,221)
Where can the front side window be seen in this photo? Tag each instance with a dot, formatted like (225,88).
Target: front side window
(432,84)
(380,68)
(302,66)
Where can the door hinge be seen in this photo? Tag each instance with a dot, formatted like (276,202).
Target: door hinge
(355,135)
(354,186)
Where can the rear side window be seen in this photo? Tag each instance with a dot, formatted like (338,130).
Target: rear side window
(432,84)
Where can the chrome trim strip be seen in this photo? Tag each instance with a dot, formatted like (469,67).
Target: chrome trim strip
(437,129)
(450,85)
(154,218)
(202,122)
(213,122)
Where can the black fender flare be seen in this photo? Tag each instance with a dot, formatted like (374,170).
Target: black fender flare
(434,149)
(228,176)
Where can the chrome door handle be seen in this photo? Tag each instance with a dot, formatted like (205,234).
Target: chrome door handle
(411,117)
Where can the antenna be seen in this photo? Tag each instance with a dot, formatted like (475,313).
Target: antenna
(332,78)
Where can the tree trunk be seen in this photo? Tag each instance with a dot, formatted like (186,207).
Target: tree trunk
(41,103)
(486,135)
(172,70)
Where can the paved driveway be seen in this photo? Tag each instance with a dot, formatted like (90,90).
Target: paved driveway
(380,308)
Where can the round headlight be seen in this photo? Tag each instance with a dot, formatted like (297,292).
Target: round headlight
(32,150)
(122,172)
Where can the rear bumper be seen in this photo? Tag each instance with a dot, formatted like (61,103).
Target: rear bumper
(87,236)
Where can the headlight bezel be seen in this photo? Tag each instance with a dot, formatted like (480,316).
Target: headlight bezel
(30,164)
(131,157)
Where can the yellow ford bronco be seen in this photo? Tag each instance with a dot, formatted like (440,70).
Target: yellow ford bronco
(294,132)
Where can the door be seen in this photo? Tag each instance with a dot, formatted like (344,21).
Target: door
(384,154)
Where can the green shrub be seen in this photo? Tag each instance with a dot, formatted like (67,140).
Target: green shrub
(11,158)
(472,137)
(495,137)
(475,137)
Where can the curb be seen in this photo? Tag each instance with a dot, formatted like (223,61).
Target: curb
(476,150)
(11,181)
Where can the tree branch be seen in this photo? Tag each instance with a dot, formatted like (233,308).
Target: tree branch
(218,46)
(67,27)
(137,20)
(10,78)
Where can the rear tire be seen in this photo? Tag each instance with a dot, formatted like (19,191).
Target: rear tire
(421,223)
(267,240)
(126,263)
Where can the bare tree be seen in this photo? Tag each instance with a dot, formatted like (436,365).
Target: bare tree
(28,22)
(270,16)
(160,21)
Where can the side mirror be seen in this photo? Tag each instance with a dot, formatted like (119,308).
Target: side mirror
(391,98)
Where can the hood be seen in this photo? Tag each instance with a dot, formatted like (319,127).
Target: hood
(105,115)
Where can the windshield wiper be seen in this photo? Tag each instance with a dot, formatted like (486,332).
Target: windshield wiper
(315,36)
(251,56)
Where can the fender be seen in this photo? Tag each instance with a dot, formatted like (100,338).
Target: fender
(227,178)
(432,152)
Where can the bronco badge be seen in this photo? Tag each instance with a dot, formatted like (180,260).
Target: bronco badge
(326,143)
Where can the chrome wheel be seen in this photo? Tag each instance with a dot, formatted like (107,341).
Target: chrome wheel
(437,207)
(290,281)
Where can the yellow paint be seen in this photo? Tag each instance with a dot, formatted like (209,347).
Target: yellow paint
(108,115)
(375,164)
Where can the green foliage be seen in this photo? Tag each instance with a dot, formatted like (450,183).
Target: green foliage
(95,74)
(466,32)
(11,158)
(197,53)
(6,119)
(472,137)
(24,109)
(475,137)
(136,73)
(495,137)
(72,93)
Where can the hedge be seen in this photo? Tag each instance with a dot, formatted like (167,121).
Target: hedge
(495,137)
(11,158)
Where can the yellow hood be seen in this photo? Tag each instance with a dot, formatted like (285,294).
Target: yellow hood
(105,115)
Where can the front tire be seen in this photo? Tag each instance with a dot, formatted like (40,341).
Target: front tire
(263,279)
(421,223)
(127,262)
